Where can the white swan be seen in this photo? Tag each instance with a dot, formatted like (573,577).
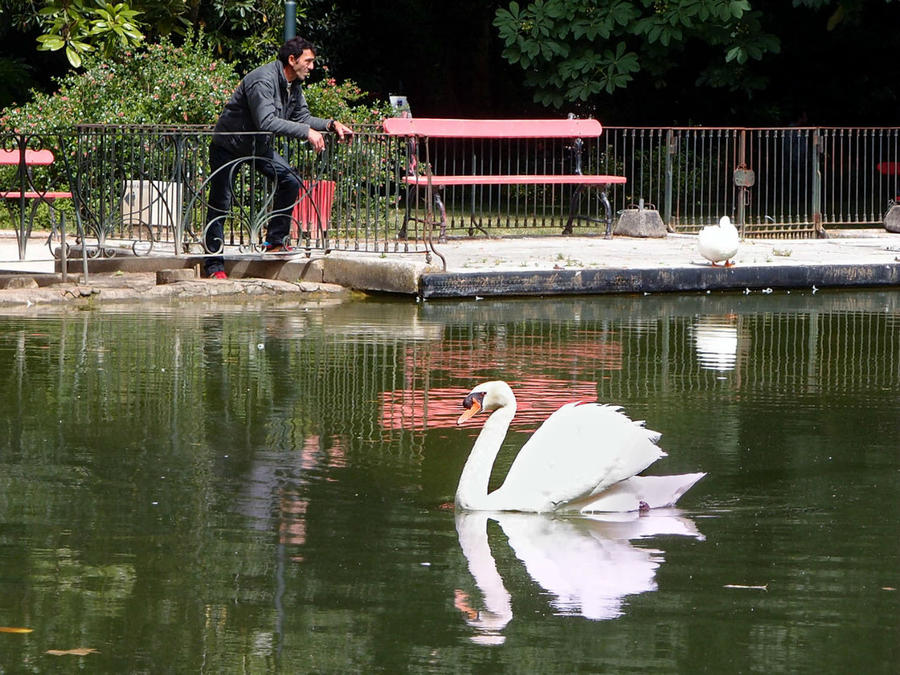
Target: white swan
(584,457)
(718,243)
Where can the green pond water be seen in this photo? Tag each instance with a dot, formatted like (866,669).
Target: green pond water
(268,488)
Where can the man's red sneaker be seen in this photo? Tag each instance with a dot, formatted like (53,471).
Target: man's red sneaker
(278,248)
(218,275)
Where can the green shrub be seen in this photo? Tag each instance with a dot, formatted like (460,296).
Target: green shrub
(343,101)
(166,85)
(155,84)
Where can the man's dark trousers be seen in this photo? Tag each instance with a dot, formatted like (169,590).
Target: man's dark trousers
(223,167)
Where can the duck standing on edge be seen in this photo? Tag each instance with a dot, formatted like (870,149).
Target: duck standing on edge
(583,458)
(718,243)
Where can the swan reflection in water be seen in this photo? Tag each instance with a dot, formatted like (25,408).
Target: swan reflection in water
(587,563)
(716,340)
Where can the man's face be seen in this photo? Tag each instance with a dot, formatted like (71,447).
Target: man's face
(302,65)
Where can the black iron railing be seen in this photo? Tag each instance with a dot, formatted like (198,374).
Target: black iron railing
(144,189)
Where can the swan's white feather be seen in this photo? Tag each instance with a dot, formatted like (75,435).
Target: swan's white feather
(632,494)
(580,450)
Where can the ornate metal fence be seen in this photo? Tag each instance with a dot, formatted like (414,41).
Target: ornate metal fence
(150,185)
(788,182)
(145,189)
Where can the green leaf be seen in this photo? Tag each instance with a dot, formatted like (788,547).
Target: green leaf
(737,54)
(835,18)
(50,43)
(623,13)
(555,9)
(738,7)
(73,57)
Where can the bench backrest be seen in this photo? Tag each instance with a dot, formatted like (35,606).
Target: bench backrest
(32,157)
(434,127)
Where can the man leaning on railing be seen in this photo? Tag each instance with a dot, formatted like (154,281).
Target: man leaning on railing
(268,99)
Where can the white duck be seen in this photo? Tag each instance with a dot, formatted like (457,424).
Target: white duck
(718,243)
(583,458)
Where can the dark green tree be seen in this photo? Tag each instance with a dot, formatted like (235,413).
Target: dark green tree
(573,51)
(755,60)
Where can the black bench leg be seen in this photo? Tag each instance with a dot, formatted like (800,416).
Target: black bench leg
(440,205)
(403,232)
(574,208)
(605,200)
(411,194)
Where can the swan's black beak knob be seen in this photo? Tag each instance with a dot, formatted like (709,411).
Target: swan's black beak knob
(473,404)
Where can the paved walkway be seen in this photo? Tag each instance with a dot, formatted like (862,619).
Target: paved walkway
(555,265)
(675,250)
(480,267)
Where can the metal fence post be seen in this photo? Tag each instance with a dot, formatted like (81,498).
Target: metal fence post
(742,192)
(670,172)
(816,191)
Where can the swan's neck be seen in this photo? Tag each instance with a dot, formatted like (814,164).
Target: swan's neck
(472,491)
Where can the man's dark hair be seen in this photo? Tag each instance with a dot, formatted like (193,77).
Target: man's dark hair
(294,47)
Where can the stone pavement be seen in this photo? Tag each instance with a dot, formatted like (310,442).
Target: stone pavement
(474,267)
(568,265)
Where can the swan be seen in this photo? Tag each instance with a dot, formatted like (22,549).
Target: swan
(583,458)
(719,243)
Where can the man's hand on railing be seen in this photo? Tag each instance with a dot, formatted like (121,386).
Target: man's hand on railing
(316,140)
(342,130)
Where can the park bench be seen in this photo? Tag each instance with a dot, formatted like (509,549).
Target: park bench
(25,160)
(539,130)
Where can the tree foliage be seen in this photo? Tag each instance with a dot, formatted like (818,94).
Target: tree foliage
(155,84)
(576,50)
(165,84)
(80,27)
(241,30)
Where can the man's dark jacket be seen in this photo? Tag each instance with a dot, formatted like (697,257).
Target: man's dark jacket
(264,101)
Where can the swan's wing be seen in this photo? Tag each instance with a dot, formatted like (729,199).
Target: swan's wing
(654,491)
(580,450)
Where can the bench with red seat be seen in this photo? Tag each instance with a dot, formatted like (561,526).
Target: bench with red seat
(25,160)
(571,129)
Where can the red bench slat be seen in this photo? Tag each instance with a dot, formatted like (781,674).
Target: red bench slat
(559,179)
(433,127)
(32,157)
(36,195)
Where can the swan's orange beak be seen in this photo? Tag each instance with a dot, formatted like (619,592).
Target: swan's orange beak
(471,411)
